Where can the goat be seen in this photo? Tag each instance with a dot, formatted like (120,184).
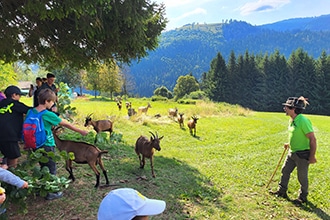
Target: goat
(192,125)
(144,109)
(180,120)
(83,153)
(173,112)
(147,148)
(99,126)
(128,105)
(119,104)
(131,112)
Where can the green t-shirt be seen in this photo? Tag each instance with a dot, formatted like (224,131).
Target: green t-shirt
(50,119)
(298,129)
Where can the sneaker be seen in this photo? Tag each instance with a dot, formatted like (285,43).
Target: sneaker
(299,201)
(52,196)
(279,194)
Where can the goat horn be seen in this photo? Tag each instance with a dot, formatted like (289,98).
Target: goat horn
(89,115)
(152,134)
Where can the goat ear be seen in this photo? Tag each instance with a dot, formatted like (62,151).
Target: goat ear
(160,138)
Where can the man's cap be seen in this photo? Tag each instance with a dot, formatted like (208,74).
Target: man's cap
(296,102)
(126,203)
(12,90)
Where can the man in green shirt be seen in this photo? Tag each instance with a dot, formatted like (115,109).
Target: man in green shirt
(302,148)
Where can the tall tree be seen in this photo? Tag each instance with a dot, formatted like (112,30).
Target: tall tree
(276,71)
(7,76)
(217,80)
(110,78)
(79,32)
(185,85)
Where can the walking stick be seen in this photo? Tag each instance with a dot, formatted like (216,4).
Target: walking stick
(278,164)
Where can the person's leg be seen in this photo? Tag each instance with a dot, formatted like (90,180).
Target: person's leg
(11,152)
(50,164)
(302,171)
(287,169)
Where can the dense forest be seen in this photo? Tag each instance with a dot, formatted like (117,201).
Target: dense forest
(264,82)
(191,48)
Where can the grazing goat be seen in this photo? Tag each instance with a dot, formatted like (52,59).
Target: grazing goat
(131,112)
(119,104)
(173,112)
(144,109)
(99,126)
(147,148)
(83,153)
(180,120)
(128,105)
(192,125)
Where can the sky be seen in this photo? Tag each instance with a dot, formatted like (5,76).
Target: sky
(254,12)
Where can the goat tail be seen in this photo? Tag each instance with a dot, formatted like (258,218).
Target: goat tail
(103,152)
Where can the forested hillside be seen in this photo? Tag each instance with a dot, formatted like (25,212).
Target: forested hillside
(191,48)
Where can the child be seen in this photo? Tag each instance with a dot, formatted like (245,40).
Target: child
(10,178)
(46,100)
(11,120)
(127,203)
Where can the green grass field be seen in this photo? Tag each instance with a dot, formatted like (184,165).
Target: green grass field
(221,173)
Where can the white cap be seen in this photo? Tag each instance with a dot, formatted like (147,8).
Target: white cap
(126,203)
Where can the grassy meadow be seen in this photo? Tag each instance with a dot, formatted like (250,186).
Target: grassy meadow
(221,173)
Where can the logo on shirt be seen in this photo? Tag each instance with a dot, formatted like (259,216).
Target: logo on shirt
(6,109)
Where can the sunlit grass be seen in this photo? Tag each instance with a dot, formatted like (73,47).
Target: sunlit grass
(219,174)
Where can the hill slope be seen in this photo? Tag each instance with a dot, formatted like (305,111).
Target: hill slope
(191,48)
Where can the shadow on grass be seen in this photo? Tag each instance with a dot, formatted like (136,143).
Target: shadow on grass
(187,192)
(310,207)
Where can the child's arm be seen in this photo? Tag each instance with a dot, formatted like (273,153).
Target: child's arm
(72,127)
(10,178)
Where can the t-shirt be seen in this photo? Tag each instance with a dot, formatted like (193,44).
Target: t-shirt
(50,119)
(298,129)
(11,119)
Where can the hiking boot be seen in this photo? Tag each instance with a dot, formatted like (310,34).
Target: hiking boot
(299,201)
(279,194)
(52,196)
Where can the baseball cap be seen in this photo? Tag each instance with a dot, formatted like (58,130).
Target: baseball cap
(12,90)
(126,203)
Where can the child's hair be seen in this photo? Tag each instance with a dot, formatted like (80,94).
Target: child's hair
(46,95)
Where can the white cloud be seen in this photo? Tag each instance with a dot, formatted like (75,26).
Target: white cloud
(262,5)
(197,11)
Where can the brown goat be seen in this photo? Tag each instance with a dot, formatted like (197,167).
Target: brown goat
(180,120)
(83,153)
(131,112)
(147,148)
(119,104)
(144,109)
(128,105)
(173,112)
(99,126)
(192,125)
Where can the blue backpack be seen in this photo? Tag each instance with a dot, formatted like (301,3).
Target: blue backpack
(34,133)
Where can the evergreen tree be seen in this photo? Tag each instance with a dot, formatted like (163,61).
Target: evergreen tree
(217,79)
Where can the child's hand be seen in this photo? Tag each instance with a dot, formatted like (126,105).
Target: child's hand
(25,185)
(4,166)
(2,198)
(2,195)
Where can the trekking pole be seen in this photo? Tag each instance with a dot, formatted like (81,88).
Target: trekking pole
(278,164)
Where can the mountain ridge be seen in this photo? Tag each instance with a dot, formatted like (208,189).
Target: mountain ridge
(191,48)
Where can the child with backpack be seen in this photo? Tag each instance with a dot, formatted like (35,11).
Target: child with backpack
(12,113)
(46,100)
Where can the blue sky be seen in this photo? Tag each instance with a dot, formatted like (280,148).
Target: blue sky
(255,12)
